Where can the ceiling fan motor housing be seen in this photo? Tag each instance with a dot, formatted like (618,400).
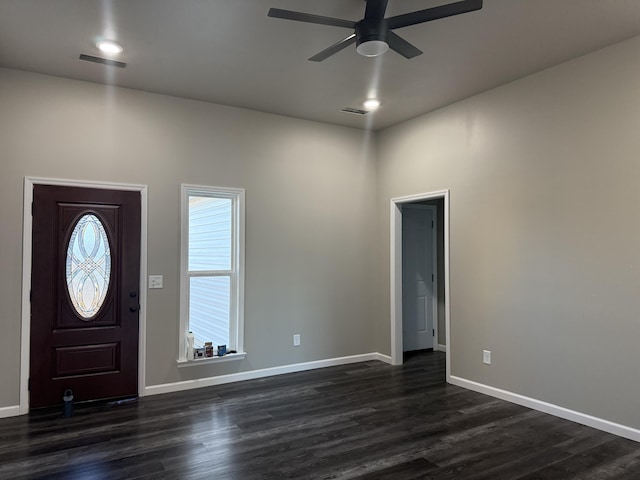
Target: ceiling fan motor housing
(368,30)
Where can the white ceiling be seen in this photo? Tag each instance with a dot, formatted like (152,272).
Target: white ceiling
(230,52)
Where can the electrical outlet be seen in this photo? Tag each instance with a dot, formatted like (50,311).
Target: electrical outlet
(155,281)
(296,340)
(486,357)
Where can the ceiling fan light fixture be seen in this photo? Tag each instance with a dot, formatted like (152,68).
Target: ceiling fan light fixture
(372,48)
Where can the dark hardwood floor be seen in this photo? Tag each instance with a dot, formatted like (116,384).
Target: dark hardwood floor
(367,420)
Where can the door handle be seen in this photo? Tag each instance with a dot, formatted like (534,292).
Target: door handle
(134,308)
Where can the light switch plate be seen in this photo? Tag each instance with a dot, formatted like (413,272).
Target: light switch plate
(155,281)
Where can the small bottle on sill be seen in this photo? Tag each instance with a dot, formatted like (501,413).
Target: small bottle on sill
(190,343)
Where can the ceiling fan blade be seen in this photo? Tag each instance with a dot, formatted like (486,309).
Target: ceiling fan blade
(435,13)
(335,48)
(375,9)
(310,18)
(401,46)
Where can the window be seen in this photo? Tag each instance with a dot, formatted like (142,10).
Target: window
(212,247)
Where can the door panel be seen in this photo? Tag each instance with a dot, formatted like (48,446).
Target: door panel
(418,269)
(90,347)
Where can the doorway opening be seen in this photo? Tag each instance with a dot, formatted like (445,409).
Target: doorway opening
(420,276)
(102,315)
(403,214)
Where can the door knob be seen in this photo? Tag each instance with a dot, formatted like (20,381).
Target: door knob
(133,309)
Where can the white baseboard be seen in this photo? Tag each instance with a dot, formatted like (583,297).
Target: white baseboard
(539,405)
(265,372)
(442,348)
(12,411)
(383,358)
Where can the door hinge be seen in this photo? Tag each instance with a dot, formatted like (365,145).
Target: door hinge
(433,277)
(29,384)
(32,209)
(432,224)
(433,332)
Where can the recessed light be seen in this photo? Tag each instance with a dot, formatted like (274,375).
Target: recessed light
(372,104)
(109,47)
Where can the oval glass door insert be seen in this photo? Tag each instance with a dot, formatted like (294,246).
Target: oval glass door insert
(88,266)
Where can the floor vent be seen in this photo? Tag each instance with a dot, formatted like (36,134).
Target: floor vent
(103,61)
(355,111)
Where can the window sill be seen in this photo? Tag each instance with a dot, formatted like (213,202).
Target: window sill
(229,357)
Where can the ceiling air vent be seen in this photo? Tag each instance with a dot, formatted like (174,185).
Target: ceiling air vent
(103,61)
(355,111)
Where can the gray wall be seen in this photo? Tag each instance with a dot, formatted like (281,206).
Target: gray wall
(543,174)
(545,231)
(310,193)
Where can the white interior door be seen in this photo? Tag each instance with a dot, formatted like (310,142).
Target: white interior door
(418,277)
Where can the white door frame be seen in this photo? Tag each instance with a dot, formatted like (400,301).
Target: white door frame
(27,232)
(396,273)
(434,283)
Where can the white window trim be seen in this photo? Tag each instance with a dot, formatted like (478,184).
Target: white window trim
(236,328)
(230,357)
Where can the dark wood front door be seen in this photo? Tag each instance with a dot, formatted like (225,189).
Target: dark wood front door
(85,280)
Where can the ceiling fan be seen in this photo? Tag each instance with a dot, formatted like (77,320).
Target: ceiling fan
(373,34)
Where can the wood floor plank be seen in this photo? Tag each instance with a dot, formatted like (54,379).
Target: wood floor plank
(366,421)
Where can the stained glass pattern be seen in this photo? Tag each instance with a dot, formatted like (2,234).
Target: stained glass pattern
(88,266)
